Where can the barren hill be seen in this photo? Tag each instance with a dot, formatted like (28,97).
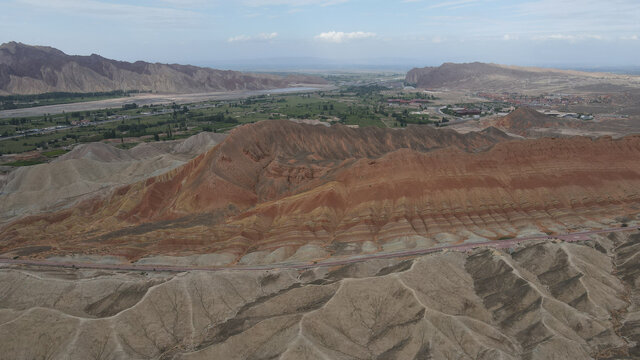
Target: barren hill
(524,119)
(537,301)
(276,189)
(28,69)
(90,169)
(494,77)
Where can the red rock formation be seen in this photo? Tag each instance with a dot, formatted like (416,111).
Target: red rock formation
(280,185)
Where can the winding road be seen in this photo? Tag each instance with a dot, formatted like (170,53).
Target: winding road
(498,244)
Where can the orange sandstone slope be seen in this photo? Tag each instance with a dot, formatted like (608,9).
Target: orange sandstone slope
(525,119)
(283,187)
(272,159)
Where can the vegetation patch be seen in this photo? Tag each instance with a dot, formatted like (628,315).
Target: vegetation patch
(55,153)
(24,162)
(53,98)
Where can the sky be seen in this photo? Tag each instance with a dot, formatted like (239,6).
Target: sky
(406,33)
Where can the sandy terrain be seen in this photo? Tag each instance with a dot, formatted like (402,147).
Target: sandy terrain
(529,123)
(91,170)
(537,301)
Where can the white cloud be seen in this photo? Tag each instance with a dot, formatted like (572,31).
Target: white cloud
(267,36)
(296,3)
(339,36)
(116,12)
(603,17)
(569,37)
(507,37)
(452,4)
(632,37)
(254,3)
(186,3)
(239,38)
(259,37)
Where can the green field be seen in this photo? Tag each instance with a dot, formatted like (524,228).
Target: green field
(26,101)
(351,105)
(24,163)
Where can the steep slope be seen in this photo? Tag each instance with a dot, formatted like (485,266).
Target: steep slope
(90,169)
(485,77)
(277,189)
(524,120)
(535,301)
(28,69)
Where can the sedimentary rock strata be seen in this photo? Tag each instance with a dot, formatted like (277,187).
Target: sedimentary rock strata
(277,189)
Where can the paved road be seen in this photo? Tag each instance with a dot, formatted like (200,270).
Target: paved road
(498,244)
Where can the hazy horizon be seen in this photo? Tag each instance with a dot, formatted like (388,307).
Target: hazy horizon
(323,65)
(255,34)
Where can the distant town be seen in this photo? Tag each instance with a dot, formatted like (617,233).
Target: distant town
(546,100)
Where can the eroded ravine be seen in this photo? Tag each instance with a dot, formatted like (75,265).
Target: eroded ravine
(518,303)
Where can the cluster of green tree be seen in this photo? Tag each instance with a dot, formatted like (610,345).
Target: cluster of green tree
(60,95)
(79,114)
(176,122)
(24,101)
(364,90)
(129,106)
(170,131)
(256,100)
(75,137)
(16,121)
(448,111)
(442,122)
(421,95)
(216,118)
(404,118)
(24,162)
(414,95)
(132,129)
(324,107)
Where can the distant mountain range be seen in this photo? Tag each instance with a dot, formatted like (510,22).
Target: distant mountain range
(494,77)
(26,69)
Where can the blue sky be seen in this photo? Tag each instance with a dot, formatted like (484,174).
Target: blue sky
(407,32)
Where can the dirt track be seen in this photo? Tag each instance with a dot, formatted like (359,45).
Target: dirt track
(501,244)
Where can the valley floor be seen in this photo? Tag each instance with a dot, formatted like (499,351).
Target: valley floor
(147,99)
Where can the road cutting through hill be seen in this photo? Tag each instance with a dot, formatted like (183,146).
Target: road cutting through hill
(499,244)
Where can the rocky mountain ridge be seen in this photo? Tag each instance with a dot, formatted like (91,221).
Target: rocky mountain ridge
(26,69)
(494,77)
